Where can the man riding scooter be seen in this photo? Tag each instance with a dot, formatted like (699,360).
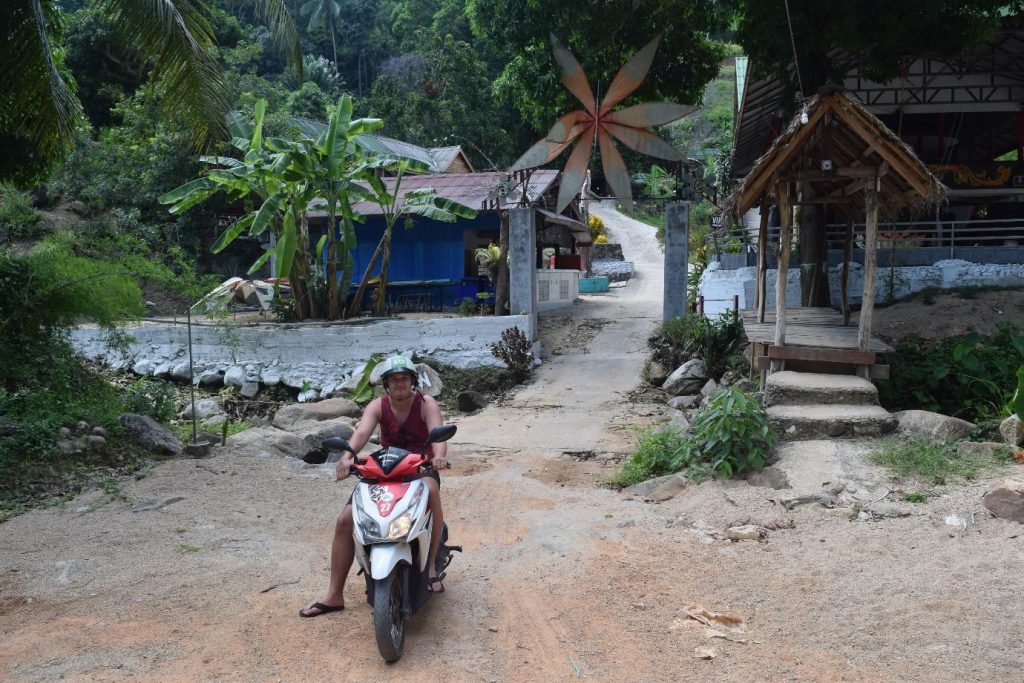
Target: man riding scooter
(406,417)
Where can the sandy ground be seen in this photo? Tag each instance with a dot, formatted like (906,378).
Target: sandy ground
(561,578)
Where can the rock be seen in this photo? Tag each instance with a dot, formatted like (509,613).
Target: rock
(312,444)
(747,532)
(983,449)
(208,437)
(163,371)
(790,502)
(182,372)
(99,431)
(83,426)
(729,378)
(143,367)
(659,489)
(79,207)
(308,396)
(657,373)
(350,382)
(94,442)
(199,449)
(150,434)
(1006,500)
(1012,430)
(211,378)
(235,376)
(887,511)
(677,421)
(688,378)
(933,426)
(63,433)
(429,382)
(746,384)
(292,414)
(205,407)
(215,421)
(470,401)
(250,389)
(65,446)
(769,477)
(158,503)
(836,428)
(271,377)
(684,402)
(709,387)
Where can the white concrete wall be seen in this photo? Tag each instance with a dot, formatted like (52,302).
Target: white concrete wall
(557,288)
(320,356)
(718,286)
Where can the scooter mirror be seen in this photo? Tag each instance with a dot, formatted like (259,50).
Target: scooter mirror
(440,433)
(337,444)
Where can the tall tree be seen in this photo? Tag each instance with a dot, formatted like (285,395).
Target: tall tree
(38,104)
(603,34)
(323,14)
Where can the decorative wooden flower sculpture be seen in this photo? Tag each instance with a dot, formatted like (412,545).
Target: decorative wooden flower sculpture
(629,126)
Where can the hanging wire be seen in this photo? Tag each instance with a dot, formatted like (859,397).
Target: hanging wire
(792,42)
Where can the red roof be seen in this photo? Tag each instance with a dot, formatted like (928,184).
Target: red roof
(471,189)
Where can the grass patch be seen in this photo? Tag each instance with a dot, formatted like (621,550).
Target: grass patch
(935,463)
(492,382)
(186,548)
(915,497)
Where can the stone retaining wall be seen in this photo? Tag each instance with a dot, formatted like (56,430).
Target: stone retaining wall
(317,357)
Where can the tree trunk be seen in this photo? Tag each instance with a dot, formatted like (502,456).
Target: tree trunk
(380,307)
(357,302)
(334,46)
(333,305)
(502,285)
(813,262)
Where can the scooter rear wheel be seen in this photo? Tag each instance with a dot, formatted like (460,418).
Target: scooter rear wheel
(388,620)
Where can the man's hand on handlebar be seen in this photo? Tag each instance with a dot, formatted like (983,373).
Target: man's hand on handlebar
(344,466)
(439,463)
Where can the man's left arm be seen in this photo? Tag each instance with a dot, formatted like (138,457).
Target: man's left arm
(432,417)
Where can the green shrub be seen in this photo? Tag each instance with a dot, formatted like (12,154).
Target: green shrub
(718,341)
(467,307)
(972,377)
(152,397)
(516,351)
(730,436)
(17,217)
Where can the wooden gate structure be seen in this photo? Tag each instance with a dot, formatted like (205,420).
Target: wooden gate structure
(837,153)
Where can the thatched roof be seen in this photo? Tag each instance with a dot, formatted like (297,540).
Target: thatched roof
(859,146)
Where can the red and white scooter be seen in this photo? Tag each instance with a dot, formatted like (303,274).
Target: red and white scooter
(392,535)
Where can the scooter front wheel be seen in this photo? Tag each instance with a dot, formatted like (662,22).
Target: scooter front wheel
(388,620)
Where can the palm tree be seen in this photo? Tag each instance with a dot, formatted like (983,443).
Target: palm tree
(323,14)
(37,102)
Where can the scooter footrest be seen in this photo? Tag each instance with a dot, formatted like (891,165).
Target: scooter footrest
(455,548)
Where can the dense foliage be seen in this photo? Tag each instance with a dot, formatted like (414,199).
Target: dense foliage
(972,377)
(717,341)
(515,349)
(730,436)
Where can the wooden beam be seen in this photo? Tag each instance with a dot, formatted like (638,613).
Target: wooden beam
(867,306)
(763,363)
(784,155)
(835,174)
(822,354)
(762,263)
(786,219)
(844,283)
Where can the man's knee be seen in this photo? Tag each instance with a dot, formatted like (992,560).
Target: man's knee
(344,521)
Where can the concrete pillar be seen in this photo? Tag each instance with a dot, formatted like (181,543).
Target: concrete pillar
(677,244)
(522,252)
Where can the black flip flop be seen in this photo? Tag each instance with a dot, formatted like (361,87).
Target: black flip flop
(324,609)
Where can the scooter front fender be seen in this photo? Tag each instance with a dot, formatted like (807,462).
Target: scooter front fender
(385,556)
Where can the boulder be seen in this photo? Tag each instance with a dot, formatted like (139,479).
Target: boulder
(235,376)
(308,396)
(1006,500)
(271,377)
(182,372)
(769,477)
(95,442)
(657,373)
(211,378)
(163,371)
(688,378)
(659,489)
(710,387)
(933,426)
(205,407)
(143,367)
(63,433)
(979,448)
(471,401)
(215,421)
(250,389)
(1012,430)
(150,434)
(288,416)
(99,431)
(429,382)
(684,402)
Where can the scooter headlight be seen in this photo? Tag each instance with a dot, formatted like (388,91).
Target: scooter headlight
(400,527)
(368,525)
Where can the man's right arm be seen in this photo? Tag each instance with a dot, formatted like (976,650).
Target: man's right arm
(364,430)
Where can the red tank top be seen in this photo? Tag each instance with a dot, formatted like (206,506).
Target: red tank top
(408,436)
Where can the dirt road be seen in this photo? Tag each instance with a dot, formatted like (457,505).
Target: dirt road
(561,579)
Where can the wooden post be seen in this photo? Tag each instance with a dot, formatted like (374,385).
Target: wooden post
(844,285)
(867,306)
(762,262)
(735,308)
(786,219)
